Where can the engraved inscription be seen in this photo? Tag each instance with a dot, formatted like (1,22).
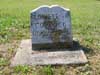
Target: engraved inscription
(49,25)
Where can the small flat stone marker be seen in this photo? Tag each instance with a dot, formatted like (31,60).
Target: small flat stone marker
(51,42)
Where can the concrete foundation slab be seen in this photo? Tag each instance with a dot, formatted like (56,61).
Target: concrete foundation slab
(26,56)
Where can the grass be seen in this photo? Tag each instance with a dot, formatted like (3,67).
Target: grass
(15,25)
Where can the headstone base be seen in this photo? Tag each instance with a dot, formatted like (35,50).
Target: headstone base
(26,56)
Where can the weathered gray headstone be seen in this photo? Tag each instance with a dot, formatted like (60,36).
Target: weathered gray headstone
(51,27)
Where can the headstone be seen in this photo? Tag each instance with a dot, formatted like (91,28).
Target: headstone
(51,27)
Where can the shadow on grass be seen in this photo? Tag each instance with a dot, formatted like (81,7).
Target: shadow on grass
(76,46)
(87,50)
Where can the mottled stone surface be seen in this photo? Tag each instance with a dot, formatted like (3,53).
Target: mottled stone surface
(51,25)
(26,56)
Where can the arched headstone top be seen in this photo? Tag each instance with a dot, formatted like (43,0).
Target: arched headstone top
(50,8)
(51,25)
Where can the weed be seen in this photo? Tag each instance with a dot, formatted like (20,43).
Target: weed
(23,69)
(48,70)
(4,62)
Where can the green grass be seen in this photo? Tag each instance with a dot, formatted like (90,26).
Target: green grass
(15,25)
